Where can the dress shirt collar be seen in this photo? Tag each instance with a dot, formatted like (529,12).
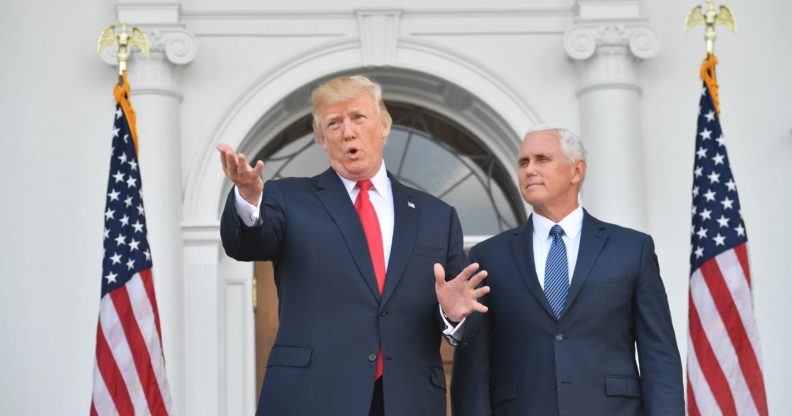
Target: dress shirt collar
(572,224)
(380,181)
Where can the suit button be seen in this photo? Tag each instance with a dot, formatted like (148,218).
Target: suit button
(384,314)
(559,337)
(372,357)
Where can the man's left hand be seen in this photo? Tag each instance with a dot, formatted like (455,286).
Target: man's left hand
(459,296)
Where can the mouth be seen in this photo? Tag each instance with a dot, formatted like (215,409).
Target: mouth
(352,152)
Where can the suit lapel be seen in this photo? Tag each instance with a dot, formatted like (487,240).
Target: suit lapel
(592,239)
(334,197)
(522,250)
(405,226)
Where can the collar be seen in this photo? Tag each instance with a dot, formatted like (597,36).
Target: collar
(379,180)
(572,224)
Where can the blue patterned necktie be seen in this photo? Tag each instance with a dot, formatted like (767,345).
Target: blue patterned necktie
(556,283)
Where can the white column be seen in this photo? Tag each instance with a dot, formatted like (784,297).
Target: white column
(606,54)
(156,98)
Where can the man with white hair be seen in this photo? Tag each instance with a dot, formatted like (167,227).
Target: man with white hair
(360,264)
(571,300)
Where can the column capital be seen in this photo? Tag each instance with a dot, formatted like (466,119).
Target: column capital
(582,40)
(607,52)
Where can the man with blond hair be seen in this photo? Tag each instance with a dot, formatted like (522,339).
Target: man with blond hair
(360,263)
(573,298)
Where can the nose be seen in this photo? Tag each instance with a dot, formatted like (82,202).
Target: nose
(529,169)
(348,129)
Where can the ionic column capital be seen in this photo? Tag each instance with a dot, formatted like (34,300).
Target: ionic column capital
(607,52)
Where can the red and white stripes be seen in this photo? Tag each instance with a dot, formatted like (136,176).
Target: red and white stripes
(724,357)
(129,375)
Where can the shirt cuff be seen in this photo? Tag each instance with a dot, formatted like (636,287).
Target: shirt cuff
(452,333)
(248,213)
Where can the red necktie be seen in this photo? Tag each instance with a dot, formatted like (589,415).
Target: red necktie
(368,218)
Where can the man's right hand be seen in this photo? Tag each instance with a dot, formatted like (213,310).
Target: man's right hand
(247,180)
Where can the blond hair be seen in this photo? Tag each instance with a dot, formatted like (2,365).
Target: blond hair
(342,89)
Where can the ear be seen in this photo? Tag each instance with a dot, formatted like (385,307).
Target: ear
(320,138)
(579,171)
(385,129)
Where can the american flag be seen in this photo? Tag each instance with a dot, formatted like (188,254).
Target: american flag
(724,370)
(129,372)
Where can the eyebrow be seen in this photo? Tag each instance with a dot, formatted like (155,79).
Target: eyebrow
(535,156)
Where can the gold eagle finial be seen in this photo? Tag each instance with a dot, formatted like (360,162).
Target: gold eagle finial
(125,41)
(710,18)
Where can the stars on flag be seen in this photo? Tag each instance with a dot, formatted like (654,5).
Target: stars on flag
(125,245)
(717,225)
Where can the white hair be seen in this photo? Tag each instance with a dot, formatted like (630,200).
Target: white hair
(571,144)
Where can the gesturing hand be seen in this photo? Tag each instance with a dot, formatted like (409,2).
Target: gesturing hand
(458,297)
(247,180)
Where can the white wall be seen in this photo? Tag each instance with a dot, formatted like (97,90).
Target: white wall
(56,109)
(56,106)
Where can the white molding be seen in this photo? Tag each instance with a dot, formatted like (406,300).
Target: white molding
(411,22)
(148,13)
(608,9)
(379,36)
(322,13)
(200,233)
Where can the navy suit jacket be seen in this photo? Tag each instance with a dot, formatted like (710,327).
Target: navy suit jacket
(517,359)
(332,318)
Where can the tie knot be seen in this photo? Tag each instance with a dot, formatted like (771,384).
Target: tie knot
(364,186)
(556,231)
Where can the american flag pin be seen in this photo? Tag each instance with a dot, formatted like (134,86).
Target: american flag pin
(410,204)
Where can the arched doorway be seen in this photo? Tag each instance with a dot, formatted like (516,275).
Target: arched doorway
(219,328)
(425,150)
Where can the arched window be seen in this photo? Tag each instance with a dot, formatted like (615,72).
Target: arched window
(425,151)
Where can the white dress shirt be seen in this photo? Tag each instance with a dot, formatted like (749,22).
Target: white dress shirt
(572,225)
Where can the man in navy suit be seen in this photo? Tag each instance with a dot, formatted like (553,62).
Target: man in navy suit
(571,300)
(360,264)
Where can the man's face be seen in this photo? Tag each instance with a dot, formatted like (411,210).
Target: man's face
(353,134)
(547,180)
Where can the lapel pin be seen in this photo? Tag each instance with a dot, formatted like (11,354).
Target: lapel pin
(410,204)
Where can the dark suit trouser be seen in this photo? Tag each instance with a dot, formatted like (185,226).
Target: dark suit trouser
(377,400)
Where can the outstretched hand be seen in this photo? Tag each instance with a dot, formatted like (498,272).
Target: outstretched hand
(459,296)
(247,180)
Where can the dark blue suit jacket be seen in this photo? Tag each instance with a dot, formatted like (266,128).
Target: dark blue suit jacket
(332,318)
(517,359)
